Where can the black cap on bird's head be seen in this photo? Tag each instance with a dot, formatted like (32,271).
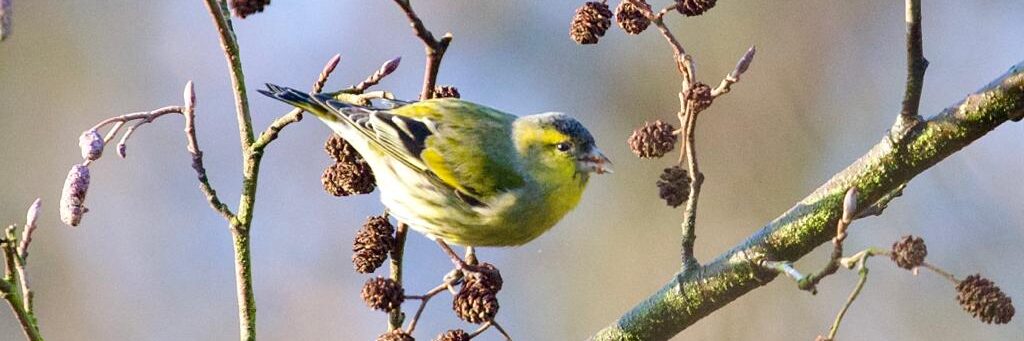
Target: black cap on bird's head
(578,141)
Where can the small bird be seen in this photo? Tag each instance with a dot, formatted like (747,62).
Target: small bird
(461,172)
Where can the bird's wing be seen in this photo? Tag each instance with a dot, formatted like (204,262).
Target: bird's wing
(467,147)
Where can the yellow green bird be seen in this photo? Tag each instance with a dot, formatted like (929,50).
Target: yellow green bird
(465,173)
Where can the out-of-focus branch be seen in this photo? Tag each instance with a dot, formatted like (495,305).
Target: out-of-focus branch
(690,296)
(435,48)
(295,115)
(6,11)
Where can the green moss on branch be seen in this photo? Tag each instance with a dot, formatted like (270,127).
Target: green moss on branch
(884,169)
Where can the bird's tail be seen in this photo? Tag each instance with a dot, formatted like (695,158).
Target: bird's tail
(300,100)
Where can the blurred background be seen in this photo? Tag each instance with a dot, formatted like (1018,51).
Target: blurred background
(152,261)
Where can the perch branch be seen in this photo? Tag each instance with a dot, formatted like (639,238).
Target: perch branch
(396,317)
(688,297)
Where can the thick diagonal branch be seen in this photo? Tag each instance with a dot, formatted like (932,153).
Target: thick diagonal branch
(884,168)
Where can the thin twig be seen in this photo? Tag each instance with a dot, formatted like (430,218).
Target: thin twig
(689,108)
(863,273)
(689,224)
(435,49)
(424,299)
(14,287)
(385,69)
(295,115)
(741,66)
(21,254)
(810,283)
(481,329)
(31,222)
(147,116)
(916,63)
(941,272)
(113,131)
(785,268)
(501,330)
(684,63)
(189,111)
(229,43)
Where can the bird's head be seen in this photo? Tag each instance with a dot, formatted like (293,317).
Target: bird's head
(558,145)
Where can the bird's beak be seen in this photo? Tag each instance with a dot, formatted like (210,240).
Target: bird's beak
(595,162)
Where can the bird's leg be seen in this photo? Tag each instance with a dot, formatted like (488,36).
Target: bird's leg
(460,264)
(471,256)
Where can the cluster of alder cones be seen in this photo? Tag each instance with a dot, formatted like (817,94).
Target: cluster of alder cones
(476,301)
(594,18)
(978,296)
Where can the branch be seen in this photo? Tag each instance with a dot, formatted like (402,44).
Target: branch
(14,287)
(916,64)
(435,49)
(189,111)
(687,298)
(862,272)
(683,61)
(221,19)
(396,317)
(240,225)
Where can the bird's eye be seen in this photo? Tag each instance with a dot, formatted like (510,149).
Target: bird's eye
(563,147)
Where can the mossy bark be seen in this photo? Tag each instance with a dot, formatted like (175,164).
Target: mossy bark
(882,171)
